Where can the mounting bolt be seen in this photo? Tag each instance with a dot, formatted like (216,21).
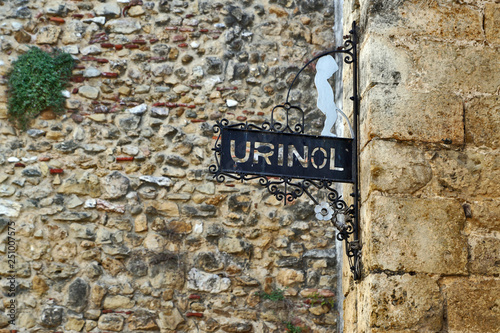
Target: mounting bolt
(447,141)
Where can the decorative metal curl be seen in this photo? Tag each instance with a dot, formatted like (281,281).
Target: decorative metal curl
(287,127)
(347,231)
(348,49)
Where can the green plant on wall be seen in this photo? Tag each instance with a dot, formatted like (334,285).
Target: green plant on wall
(316,298)
(292,328)
(35,84)
(274,295)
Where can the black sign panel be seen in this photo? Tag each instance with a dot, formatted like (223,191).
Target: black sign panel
(286,155)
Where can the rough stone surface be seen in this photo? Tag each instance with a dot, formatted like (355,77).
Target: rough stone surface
(48,35)
(139,109)
(169,320)
(84,184)
(111,322)
(168,208)
(472,304)
(91,72)
(153,77)
(161,181)
(108,9)
(167,271)
(428,167)
(484,216)
(491,22)
(477,72)
(400,302)
(485,255)
(394,168)
(114,185)
(160,112)
(72,32)
(118,302)
(213,65)
(482,121)
(455,21)
(78,294)
(75,324)
(25,320)
(128,123)
(212,283)
(89,92)
(92,49)
(465,174)
(9,208)
(52,316)
(288,277)
(433,245)
(143,320)
(58,271)
(232,245)
(440,116)
(237,327)
(123,26)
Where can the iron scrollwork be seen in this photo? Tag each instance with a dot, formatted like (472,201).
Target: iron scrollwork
(343,216)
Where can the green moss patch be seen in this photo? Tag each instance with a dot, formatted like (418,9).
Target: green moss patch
(36,82)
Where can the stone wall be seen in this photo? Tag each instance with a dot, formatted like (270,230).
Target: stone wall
(429,167)
(119,225)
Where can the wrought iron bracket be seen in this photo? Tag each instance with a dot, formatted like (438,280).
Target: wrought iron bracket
(332,207)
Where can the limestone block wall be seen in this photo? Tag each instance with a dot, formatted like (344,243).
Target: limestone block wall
(429,167)
(119,226)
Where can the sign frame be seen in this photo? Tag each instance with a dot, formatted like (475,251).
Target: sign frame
(287,155)
(288,187)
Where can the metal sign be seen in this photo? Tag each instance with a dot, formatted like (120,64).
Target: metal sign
(290,163)
(286,155)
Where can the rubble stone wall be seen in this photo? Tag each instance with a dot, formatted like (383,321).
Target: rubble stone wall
(119,225)
(430,162)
